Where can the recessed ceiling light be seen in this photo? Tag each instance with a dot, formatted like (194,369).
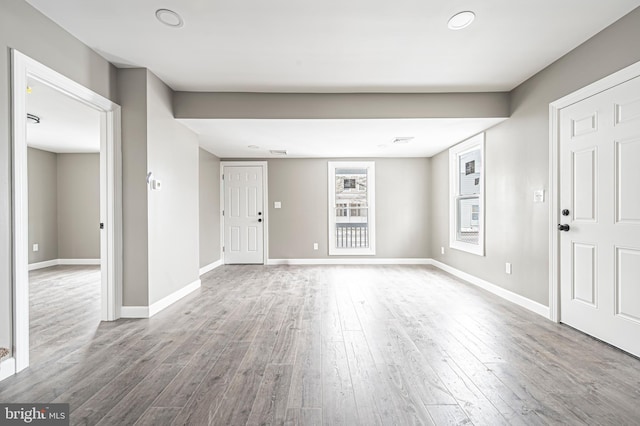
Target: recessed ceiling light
(404,139)
(461,20)
(253,147)
(169,18)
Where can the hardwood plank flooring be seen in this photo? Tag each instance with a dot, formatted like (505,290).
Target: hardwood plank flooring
(318,345)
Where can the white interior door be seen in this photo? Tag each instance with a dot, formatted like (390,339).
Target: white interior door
(243,215)
(600,203)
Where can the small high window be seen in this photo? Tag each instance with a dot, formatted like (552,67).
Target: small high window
(352,208)
(466,183)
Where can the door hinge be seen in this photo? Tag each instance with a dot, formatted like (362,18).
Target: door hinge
(223,177)
(223,249)
(101,225)
(222,212)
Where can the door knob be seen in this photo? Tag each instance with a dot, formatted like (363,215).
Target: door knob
(259,220)
(564,228)
(565,212)
(259,213)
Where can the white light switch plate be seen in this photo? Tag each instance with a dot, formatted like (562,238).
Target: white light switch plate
(315,246)
(36,247)
(277,205)
(507,268)
(538,196)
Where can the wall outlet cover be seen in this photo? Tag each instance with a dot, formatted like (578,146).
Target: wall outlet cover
(441,250)
(507,268)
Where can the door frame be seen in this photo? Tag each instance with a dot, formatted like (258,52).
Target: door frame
(612,80)
(265,204)
(23,68)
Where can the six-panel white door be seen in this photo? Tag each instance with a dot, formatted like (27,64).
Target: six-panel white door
(600,202)
(243,215)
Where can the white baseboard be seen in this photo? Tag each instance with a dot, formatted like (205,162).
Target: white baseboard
(134,312)
(210,267)
(56,262)
(79,261)
(149,311)
(497,290)
(348,261)
(45,264)
(7,368)
(173,297)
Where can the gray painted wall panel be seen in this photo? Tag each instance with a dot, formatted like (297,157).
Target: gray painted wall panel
(43,204)
(402,206)
(340,105)
(209,202)
(517,163)
(25,29)
(173,211)
(78,206)
(132,96)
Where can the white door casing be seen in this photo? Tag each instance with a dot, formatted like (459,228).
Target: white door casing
(244,213)
(110,195)
(600,253)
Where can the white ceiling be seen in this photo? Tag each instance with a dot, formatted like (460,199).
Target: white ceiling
(336,45)
(66,125)
(334,138)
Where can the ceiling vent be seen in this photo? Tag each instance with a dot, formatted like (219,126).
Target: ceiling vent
(402,140)
(278,151)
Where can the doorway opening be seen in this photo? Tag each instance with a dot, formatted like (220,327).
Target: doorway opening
(102,264)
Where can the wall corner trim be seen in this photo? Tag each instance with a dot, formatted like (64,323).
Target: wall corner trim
(512,297)
(350,261)
(149,311)
(210,267)
(7,368)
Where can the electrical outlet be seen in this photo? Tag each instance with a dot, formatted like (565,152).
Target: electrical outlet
(507,268)
(36,247)
(538,196)
(441,250)
(315,246)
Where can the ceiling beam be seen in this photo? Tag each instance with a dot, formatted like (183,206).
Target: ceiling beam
(212,105)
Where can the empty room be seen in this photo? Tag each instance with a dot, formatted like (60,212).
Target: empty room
(319,213)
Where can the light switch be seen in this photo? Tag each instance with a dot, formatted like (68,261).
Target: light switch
(35,247)
(538,196)
(277,205)
(507,268)
(315,246)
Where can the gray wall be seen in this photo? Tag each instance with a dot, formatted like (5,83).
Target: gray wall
(43,204)
(517,163)
(78,206)
(64,205)
(209,204)
(402,206)
(172,151)
(132,97)
(340,105)
(25,29)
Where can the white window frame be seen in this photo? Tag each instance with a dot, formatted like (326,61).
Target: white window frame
(471,144)
(371,199)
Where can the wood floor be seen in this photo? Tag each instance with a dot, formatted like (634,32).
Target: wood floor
(307,345)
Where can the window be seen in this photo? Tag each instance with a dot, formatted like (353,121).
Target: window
(352,208)
(466,183)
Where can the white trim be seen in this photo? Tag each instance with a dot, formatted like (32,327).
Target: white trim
(615,79)
(56,262)
(350,261)
(134,312)
(522,301)
(455,152)
(371,201)
(149,311)
(7,368)
(265,203)
(210,267)
(78,261)
(173,297)
(44,264)
(24,68)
